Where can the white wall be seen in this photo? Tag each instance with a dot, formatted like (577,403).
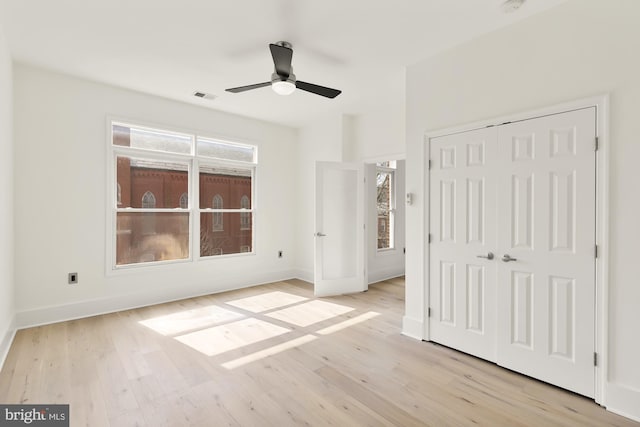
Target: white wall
(61,208)
(321,141)
(380,131)
(6,199)
(579,49)
(388,263)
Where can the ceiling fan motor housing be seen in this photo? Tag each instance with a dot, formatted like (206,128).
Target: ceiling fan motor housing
(275,77)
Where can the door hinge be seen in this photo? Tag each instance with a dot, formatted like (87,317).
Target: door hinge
(597,143)
(429,164)
(429,238)
(429,312)
(596,252)
(595,359)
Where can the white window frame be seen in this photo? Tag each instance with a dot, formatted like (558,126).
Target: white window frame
(392,208)
(192,161)
(229,164)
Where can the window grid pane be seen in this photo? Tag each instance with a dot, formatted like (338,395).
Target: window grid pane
(146,186)
(233,239)
(384,202)
(151,139)
(151,236)
(225,151)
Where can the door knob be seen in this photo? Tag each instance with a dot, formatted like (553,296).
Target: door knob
(319,234)
(487,256)
(507,258)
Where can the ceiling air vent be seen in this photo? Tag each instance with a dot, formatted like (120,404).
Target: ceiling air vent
(205,95)
(512,5)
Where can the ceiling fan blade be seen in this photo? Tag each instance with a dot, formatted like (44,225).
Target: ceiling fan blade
(249,87)
(281,59)
(318,90)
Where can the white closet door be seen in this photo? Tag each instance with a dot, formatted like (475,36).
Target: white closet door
(546,217)
(462,225)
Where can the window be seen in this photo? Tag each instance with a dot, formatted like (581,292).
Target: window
(154,172)
(245,217)
(184,201)
(221,189)
(148,200)
(149,223)
(385,201)
(217,204)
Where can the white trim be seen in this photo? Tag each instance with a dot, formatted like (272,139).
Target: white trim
(6,339)
(386,274)
(376,159)
(304,275)
(95,307)
(623,401)
(424,243)
(602,240)
(413,328)
(601,103)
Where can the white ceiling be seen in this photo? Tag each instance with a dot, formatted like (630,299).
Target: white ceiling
(173,48)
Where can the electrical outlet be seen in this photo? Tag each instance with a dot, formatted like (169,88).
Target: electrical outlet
(279,254)
(73,278)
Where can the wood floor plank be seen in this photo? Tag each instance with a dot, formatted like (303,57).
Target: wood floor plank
(341,362)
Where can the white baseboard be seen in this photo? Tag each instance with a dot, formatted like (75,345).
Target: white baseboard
(623,401)
(6,339)
(305,275)
(412,328)
(379,276)
(77,310)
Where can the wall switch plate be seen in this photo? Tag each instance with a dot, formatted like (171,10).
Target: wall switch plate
(73,278)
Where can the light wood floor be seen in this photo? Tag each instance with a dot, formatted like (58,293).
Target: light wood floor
(274,356)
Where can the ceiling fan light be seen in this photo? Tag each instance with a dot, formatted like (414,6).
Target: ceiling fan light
(283,87)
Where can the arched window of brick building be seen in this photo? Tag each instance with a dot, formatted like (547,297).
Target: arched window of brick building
(245,217)
(217,216)
(149,224)
(148,200)
(184,201)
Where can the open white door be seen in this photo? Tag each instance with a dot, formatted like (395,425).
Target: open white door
(339,236)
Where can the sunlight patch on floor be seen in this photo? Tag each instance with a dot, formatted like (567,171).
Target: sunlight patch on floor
(310,312)
(266,301)
(348,323)
(187,320)
(279,348)
(223,338)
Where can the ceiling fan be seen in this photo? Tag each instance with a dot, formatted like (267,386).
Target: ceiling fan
(283,81)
